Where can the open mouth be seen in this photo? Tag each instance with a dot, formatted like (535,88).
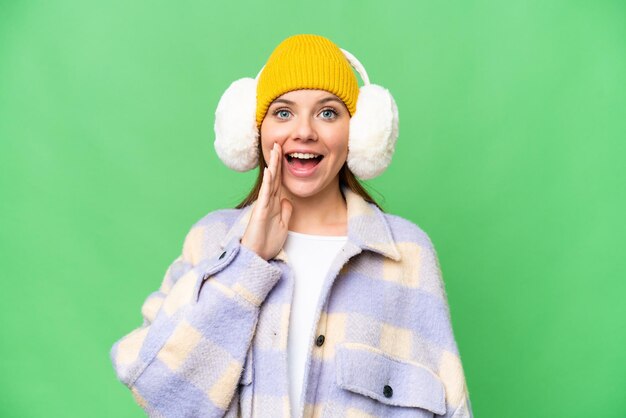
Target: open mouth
(303,161)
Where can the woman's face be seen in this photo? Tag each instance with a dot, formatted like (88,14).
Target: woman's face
(311,127)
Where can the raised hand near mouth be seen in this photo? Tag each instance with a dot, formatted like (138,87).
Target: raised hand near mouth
(267,230)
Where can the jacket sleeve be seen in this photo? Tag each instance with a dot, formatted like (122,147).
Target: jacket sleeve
(450,366)
(187,357)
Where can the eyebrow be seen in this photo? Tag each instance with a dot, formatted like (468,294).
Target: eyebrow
(324,100)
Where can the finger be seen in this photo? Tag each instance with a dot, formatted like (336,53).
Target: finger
(279,166)
(285,213)
(272,168)
(264,192)
(275,168)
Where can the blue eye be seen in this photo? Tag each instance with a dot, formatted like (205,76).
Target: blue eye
(282,113)
(328,114)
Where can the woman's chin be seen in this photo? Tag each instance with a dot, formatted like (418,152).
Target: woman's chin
(303,190)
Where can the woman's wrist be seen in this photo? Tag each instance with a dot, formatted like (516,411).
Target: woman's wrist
(253,248)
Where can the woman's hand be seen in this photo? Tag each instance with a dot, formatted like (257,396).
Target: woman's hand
(267,230)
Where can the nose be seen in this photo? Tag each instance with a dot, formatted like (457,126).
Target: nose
(304,130)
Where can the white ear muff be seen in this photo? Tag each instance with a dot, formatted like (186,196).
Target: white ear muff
(373,127)
(236,134)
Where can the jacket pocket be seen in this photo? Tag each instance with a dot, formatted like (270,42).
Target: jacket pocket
(370,372)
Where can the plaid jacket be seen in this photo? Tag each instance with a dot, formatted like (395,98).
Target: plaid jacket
(213,342)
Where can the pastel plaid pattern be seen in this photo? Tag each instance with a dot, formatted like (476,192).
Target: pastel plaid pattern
(213,342)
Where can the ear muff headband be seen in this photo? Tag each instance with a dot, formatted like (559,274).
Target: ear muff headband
(356,64)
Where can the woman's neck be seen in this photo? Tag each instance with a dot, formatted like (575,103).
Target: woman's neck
(322,214)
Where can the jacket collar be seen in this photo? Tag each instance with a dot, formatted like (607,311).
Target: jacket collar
(368,228)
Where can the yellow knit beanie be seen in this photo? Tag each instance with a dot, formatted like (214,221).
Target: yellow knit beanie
(306,62)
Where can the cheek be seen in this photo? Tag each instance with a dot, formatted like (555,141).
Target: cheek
(266,145)
(271,133)
(339,143)
(267,141)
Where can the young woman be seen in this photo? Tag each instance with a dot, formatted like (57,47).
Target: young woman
(306,300)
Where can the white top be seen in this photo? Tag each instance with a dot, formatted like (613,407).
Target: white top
(310,257)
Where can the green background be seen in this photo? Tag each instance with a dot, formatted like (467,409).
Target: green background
(510,157)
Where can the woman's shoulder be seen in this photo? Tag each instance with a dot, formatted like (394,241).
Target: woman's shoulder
(415,246)
(218,217)
(205,236)
(405,230)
